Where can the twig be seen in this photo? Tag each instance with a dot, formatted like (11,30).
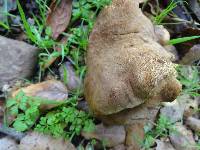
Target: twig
(12,132)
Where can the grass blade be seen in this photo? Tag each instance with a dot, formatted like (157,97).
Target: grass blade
(181,40)
(25,23)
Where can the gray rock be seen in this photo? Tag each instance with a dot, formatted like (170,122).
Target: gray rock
(183,106)
(17,60)
(161,145)
(173,110)
(8,143)
(182,139)
(38,141)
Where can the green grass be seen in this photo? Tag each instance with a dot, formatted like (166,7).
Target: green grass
(182,40)
(4,25)
(189,78)
(158,19)
(162,127)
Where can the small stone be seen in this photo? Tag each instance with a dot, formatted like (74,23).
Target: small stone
(183,106)
(193,123)
(173,110)
(181,138)
(18,60)
(192,55)
(162,34)
(8,143)
(111,135)
(172,50)
(163,145)
(38,141)
(82,105)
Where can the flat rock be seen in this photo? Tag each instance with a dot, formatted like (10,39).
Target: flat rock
(163,145)
(182,139)
(184,105)
(38,141)
(17,60)
(8,143)
(111,135)
(173,110)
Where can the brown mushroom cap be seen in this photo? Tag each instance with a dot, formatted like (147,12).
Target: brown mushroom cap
(126,66)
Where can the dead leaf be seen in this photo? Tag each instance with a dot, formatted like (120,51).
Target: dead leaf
(59,17)
(68,76)
(2,108)
(50,61)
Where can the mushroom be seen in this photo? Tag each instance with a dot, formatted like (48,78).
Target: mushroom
(128,72)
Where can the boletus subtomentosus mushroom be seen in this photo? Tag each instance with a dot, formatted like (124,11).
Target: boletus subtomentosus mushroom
(128,71)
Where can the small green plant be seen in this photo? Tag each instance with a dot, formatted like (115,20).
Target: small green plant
(65,121)
(189,78)
(26,110)
(162,128)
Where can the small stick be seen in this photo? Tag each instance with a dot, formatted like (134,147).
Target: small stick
(12,132)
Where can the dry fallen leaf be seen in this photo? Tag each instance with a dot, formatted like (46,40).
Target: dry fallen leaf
(50,61)
(69,77)
(59,16)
